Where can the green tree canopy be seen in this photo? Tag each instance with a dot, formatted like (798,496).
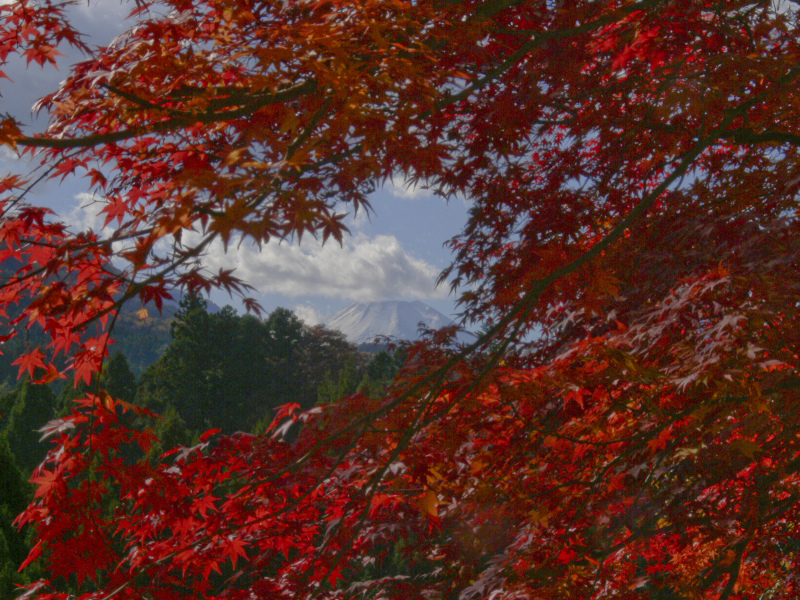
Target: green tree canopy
(14,496)
(34,406)
(228,371)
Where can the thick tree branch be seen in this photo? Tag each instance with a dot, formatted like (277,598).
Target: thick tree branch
(748,136)
(181,120)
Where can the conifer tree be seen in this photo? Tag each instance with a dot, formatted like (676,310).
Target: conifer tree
(34,406)
(14,496)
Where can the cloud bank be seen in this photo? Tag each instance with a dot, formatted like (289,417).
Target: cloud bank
(308,314)
(364,268)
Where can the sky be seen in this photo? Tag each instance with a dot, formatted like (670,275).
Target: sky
(394,253)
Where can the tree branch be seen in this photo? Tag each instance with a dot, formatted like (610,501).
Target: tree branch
(183,119)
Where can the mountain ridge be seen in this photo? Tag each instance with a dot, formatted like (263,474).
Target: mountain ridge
(362,322)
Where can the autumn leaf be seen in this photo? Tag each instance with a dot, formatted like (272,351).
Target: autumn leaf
(625,424)
(47,482)
(429,504)
(29,362)
(9,129)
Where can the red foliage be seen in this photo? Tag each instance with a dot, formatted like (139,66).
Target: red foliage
(627,425)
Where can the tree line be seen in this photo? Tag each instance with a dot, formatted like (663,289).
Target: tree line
(221,370)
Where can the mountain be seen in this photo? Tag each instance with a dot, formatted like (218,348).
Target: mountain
(141,340)
(362,322)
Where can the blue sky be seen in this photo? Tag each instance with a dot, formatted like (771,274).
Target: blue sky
(395,254)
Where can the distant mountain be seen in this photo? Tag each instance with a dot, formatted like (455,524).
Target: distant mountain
(362,322)
(142,340)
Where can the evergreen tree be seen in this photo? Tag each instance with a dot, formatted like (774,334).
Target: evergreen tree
(327,356)
(355,376)
(118,379)
(229,371)
(213,374)
(172,432)
(283,358)
(333,388)
(14,496)
(8,397)
(64,403)
(34,406)
(382,369)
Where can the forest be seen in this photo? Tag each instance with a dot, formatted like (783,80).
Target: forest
(219,371)
(625,427)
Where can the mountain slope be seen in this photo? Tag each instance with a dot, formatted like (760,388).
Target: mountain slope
(362,322)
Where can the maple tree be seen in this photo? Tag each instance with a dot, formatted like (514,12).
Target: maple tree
(625,427)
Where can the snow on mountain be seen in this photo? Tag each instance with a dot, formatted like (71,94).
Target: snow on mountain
(362,322)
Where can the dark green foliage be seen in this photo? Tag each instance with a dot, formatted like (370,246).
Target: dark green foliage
(8,396)
(356,376)
(382,369)
(228,371)
(14,496)
(348,381)
(14,491)
(8,372)
(283,358)
(172,432)
(327,355)
(117,378)
(143,341)
(33,407)
(207,374)
(64,404)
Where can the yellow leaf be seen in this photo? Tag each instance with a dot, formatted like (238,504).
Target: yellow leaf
(429,504)
(9,132)
(433,476)
(106,400)
(234,156)
(476,466)
(142,314)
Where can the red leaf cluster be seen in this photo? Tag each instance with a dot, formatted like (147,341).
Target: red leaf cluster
(625,427)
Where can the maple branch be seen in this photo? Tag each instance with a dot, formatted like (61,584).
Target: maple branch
(131,97)
(540,39)
(748,136)
(526,305)
(312,125)
(184,119)
(434,381)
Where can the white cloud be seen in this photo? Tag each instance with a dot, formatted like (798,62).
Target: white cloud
(408,190)
(108,16)
(308,314)
(86,215)
(8,155)
(360,220)
(364,268)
